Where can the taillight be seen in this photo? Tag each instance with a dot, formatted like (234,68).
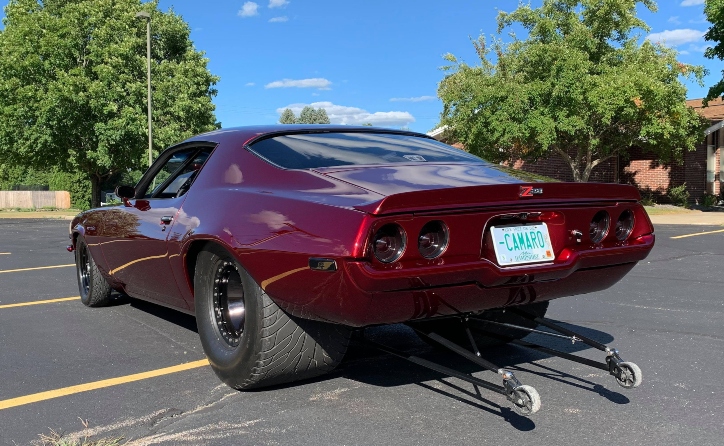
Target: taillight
(624,225)
(389,243)
(599,226)
(433,239)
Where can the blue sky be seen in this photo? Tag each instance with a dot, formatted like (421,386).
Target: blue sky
(368,60)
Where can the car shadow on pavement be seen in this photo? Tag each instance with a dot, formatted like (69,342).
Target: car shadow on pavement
(366,364)
(173,316)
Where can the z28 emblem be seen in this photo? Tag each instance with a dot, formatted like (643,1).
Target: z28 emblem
(529,191)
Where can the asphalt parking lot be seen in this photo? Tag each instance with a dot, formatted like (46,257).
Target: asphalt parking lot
(136,370)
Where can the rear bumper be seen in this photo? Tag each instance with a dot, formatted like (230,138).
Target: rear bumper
(360,296)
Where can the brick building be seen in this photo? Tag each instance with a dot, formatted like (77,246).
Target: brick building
(702,169)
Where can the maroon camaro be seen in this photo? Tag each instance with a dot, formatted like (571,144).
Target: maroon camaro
(282,240)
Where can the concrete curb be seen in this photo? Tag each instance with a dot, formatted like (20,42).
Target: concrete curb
(37,215)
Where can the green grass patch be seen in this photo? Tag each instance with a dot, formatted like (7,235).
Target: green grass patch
(665,210)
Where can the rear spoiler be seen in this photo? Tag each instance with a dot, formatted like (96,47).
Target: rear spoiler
(500,195)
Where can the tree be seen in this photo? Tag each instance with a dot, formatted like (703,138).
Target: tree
(73,85)
(311,115)
(714,11)
(579,86)
(288,117)
(320,116)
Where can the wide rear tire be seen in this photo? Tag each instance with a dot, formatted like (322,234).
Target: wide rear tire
(94,290)
(453,329)
(249,341)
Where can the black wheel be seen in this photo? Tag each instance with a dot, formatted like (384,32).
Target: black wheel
(249,340)
(630,375)
(453,329)
(526,400)
(94,290)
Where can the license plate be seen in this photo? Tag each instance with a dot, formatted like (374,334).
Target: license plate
(519,244)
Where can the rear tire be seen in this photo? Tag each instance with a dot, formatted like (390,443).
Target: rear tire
(94,290)
(453,329)
(249,341)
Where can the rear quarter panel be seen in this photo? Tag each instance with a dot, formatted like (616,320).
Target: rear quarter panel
(254,211)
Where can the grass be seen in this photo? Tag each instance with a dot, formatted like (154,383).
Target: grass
(665,210)
(58,439)
(38,213)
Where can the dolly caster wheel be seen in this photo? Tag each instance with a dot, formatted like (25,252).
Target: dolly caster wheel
(629,375)
(526,400)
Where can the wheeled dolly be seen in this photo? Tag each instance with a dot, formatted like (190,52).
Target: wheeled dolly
(628,375)
(525,399)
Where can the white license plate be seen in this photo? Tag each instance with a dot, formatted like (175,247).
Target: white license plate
(519,244)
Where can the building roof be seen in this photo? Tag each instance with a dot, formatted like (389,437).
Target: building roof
(713,112)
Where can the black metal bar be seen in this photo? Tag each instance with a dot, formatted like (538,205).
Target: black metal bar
(438,368)
(530,330)
(466,326)
(546,323)
(570,357)
(461,351)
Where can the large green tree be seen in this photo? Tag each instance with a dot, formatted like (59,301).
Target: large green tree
(714,11)
(73,85)
(579,85)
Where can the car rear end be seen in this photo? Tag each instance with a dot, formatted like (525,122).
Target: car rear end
(499,249)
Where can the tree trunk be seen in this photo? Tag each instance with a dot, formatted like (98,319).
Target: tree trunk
(582,172)
(95,191)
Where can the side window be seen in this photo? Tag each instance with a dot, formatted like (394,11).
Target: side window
(177,175)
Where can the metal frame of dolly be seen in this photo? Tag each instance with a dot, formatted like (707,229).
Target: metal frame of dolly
(525,399)
(628,375)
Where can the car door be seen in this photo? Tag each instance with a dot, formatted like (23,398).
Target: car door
(135,234)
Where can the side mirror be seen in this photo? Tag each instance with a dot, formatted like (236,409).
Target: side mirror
(125,193)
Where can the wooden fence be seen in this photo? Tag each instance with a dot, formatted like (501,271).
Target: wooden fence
(34,199)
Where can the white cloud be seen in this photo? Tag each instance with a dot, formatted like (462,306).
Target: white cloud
(700,48)
(416,99)
(675,20)
(684,53)
(277,3)
(317,82)
(692,2)
(340,114)
(279,19)
(250,84)
(676,37)
(249,9)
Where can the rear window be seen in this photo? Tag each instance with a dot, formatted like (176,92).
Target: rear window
(315,150)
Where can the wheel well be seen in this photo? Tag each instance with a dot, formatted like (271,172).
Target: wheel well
(192,255)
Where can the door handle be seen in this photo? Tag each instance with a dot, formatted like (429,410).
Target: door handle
(166,220)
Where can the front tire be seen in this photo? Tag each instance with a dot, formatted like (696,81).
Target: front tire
(250,341)
(95,291)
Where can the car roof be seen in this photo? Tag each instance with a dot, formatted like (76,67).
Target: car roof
(247,133)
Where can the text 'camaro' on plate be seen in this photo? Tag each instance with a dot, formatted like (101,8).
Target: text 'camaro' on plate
(282,240)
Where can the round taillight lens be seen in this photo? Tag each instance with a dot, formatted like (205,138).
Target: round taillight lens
(599,226)
(624,225)
(433,239)
(388,243)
